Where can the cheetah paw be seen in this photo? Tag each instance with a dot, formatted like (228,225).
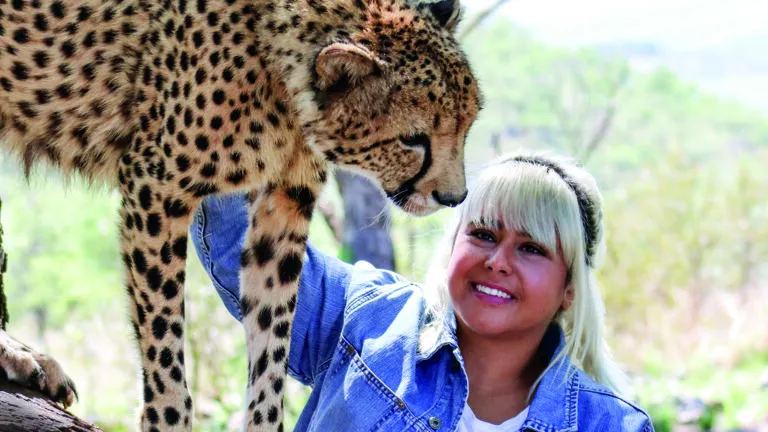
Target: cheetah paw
(20,364)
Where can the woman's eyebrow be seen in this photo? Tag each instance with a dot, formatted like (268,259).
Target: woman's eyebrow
(525,234)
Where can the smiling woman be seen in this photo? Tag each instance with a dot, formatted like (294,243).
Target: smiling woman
(519,258)
(506,335)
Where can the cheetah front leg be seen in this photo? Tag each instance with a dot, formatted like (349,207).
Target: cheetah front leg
(271,264)
(154,245)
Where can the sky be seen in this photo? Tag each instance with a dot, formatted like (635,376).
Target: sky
(678,24)
(698,38)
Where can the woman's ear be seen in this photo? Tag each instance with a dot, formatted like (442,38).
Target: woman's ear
(568,298)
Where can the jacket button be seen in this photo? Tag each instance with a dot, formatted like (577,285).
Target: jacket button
(435,423)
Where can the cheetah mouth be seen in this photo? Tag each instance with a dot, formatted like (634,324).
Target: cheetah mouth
(406,197)
(400,196)
(416,204)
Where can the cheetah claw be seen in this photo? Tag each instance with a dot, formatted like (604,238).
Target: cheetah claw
(22,365)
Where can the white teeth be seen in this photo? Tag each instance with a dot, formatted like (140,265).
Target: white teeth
(492,291)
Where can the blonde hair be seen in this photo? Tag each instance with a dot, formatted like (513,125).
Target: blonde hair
(551,199)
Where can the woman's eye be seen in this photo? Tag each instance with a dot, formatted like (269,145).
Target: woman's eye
(533,249)
(483,235)
(418,140)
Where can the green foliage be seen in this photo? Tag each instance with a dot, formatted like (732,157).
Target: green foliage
(543,97)
(345,253)
(683,178)
(662,416)
(64,241)
(681,234)
(708,420)
(732,396)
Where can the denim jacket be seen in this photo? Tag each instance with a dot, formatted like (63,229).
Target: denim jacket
(355,341)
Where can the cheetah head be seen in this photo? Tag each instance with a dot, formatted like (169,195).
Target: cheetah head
(397,100)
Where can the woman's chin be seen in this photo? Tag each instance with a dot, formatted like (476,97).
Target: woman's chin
(486,324)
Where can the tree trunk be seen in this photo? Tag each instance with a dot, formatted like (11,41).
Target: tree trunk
(366,221)
(3,265)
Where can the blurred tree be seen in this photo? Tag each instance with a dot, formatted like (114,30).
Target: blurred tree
(582,92)
(686,243)
(366,221)
(3,266)
(479,18)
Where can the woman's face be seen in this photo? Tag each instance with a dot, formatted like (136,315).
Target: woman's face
(502,282)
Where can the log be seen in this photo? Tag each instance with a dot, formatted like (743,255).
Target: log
(25,410)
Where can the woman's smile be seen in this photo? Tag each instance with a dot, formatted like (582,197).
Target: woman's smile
(492,294)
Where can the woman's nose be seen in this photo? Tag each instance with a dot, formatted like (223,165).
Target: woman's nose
(498,262)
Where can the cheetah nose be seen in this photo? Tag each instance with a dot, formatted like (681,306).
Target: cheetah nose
(449,199)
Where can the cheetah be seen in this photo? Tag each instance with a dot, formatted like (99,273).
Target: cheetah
(174,100)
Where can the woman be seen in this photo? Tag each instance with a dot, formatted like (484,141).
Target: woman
(505,335)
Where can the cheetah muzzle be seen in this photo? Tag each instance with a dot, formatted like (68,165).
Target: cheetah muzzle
(172,101)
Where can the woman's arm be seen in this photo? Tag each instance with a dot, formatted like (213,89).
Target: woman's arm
(218,230)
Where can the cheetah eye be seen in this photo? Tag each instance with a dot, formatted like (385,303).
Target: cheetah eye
(418,140)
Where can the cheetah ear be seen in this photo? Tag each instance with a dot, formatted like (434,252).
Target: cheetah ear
(446,12)
(342,64)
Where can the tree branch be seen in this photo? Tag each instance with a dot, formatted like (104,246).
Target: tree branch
(470,27)
(607,115)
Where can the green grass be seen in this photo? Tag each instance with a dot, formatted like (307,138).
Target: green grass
(740,390)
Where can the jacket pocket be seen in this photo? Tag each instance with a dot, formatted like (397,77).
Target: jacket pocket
(353,398)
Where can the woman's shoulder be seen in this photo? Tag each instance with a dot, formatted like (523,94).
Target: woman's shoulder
(368,284)
(569,399)
(359,282)
(605,409)
(382,309)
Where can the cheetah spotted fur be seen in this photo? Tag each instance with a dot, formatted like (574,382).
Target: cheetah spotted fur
(174,100)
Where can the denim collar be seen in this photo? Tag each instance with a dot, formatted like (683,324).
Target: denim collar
(554,406)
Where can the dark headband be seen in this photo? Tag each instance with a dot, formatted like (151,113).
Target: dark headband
(587,209)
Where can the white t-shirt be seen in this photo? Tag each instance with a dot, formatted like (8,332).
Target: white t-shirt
(470,423)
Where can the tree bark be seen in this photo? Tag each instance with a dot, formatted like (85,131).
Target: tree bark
(24,410)
(366,221)
(3,265)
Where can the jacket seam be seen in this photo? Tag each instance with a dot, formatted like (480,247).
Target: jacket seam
(323,367)
(324,364)
(609,393)
(372,292)
(301,377)
(381,388)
